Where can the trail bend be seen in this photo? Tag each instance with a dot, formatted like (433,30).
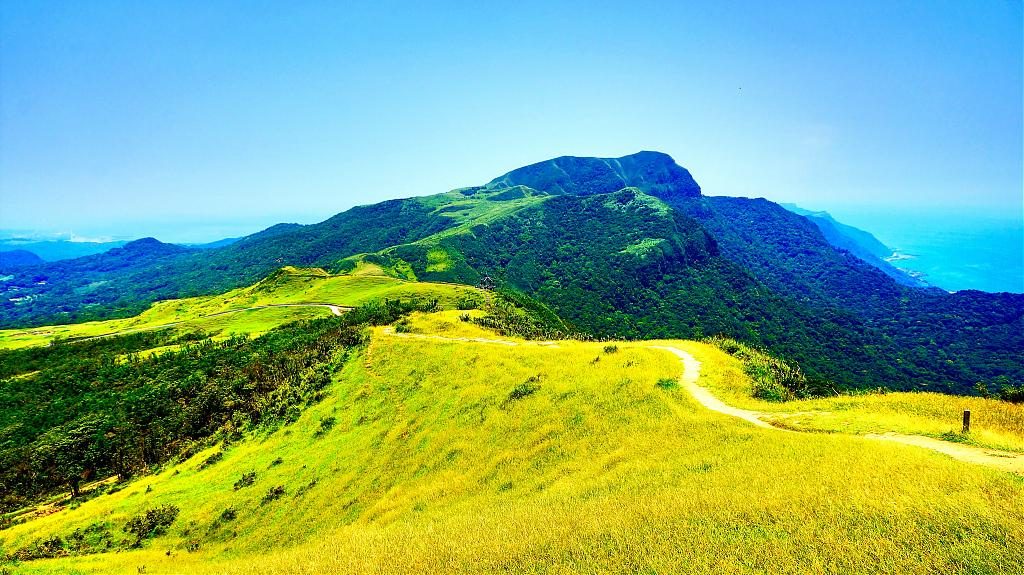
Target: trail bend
(1002,460)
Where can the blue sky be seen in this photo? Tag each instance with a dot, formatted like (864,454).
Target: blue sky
(120,116)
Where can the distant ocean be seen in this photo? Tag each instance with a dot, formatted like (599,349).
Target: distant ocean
(951,250)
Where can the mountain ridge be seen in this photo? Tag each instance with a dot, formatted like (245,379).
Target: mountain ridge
(658,259)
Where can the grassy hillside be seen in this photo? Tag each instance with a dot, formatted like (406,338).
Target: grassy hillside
(470,456)
(245,310)
(995,424)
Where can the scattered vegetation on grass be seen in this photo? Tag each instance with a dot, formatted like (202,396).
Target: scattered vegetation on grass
(523,390)
(151,523)
(667,383)
(326,424)
(211,460)
(273,494)
(515,314)
(248,478)
(772,379)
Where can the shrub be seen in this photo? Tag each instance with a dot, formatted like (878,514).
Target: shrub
(274,493)
(667,383)
(152,522)
(516,314)
(302,490)
(770,391)
(611,348)
(467,302)
(211,460)
(276,462)
(326,424)
(773,379)
(246,480)
(1012,394)
(228,514)
(41,549)
(525,389)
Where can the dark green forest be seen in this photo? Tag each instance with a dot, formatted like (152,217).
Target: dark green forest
(621,266)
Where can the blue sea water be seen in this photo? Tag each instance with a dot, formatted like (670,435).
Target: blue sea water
(951,249)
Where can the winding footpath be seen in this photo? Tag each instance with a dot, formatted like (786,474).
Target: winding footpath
(1002,460)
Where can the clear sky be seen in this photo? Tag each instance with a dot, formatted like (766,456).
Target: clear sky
(123,115)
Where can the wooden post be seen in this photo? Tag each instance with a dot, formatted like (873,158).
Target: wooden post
(967,421)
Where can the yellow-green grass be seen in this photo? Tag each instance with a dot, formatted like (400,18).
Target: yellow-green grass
(286,286)
(994,423)
(432,467)
(450,324)
(479,209)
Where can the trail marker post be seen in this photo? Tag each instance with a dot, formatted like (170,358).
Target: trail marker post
(967,421)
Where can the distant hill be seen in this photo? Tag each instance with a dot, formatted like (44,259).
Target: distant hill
(214,244)
(858,242)
(18,258)
(56,250)
(620,247)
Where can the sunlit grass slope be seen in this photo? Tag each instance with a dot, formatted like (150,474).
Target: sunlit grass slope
(481,458)
(233,312)
(994,423)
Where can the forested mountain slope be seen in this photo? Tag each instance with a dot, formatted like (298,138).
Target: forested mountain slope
(858,242)
(620,247)
(626,265)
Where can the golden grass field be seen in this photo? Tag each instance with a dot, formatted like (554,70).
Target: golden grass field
(476,457)
(994,423)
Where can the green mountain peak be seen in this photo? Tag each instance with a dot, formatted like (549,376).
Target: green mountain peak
(654,173)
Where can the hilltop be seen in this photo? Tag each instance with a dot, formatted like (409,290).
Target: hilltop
(18,258)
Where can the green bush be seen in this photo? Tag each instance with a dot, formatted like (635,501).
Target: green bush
(525,389)
(273,494)
(246,480)
(211,460)
(42,549)
(152,522)
(773,379)
(326,424)
(667,383)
